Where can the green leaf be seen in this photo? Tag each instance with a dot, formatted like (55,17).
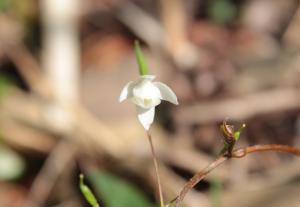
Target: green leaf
(143,67)
(88,194)
(116,192)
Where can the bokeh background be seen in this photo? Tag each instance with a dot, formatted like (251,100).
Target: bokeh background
(64,63)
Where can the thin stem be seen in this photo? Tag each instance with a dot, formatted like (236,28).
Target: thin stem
(161,199)
(198,177)
(239,153)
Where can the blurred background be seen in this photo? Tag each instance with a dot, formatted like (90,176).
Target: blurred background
(64,63)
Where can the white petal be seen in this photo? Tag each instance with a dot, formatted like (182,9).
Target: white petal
(146,89)
(126,91)
(166,92)
(146,94)
(146,116)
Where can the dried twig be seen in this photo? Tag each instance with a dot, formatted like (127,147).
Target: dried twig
(172,182)
(174,18)
(29,68)
(61,157)
(239,108)
(239,153)
(136,18)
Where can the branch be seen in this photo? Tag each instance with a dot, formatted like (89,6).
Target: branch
(238,108)
(61,158)
(239,153)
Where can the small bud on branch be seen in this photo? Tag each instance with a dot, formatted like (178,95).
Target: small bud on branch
(227,153)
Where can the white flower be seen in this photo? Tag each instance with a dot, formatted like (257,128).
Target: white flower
(146,95)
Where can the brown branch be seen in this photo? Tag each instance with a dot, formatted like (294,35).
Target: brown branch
(239,153)
(241,108)
(61,158)
(29,69)
(198,177)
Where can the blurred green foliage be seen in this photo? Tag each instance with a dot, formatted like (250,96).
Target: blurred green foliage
(222,11)
(5,5)
(115,192)
(12,165)
(215,192)
(5,84)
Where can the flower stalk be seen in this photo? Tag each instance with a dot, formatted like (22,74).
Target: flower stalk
(155,162)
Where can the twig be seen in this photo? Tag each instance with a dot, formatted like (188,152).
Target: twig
(239,108)
(24,138)
(156,170)
(198,177)
(59,159)
(172,182)
(288,19)
(29,68)
(152,34)
(239,153)
(174,18)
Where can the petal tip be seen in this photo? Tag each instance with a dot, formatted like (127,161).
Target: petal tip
(121,98)
(146,116)
(167,93)
(147,128)
(126,92)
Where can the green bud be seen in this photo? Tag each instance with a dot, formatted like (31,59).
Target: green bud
(143,68)
(237,134)
(87,193)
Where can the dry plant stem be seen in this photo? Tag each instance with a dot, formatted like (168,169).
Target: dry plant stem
(239,153)
(238,108)
(59,159)
(29,68)
(161,199)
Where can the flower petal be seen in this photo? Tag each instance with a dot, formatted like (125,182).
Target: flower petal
(146,94)
(146,116)
(126,91)
(166,92)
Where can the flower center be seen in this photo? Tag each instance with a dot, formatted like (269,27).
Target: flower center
(147,102)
